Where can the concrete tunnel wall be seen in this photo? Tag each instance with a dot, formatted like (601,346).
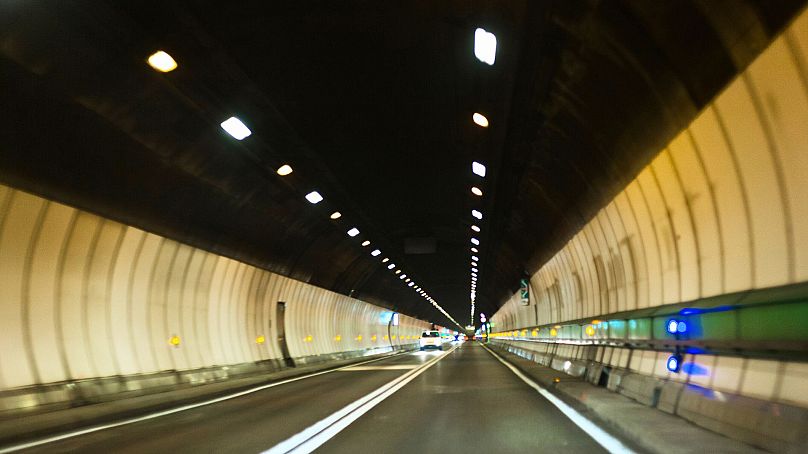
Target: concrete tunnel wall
(722,209)
(83,297)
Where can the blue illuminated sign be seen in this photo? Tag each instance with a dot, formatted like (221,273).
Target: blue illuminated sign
(674,363)
(676,326)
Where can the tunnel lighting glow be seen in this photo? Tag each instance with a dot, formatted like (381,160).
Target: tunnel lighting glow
(674,363)
(284,170)
(408,280)
(476,191)
(314,197)
(474,250)
(485,46)
(336,215)
(478,169)
(402,276)
(474,269)
(672,325)
(474,257)
(375,252)
(476,214)
(365,243)
(480,120)
(353,232)
(473,263)
(676,326)
(410,284)
(398,272)
(236,128)
(162,62)
(475,228)
(475,241)
(385,260)
(391,266)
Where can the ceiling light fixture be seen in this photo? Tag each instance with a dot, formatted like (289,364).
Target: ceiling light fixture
(485,46)
(385,260)
(478,169)
(476,191)
(365,243)
(480,120)
(236,128)
(474,249)
(353,232)
(284,170)
(162,62)
(391,266)
(375,252)
(476,214)
(314,197)
(336,215)
(474,257)
(475,228)
(475,241)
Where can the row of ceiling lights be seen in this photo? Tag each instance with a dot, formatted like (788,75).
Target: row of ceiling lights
(485,49)
(163,62)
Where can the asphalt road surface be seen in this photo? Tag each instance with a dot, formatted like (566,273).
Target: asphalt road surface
(461,400)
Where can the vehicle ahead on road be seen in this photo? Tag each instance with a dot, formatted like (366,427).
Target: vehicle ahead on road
(430,339)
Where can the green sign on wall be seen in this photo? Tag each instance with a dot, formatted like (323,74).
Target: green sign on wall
(524,292)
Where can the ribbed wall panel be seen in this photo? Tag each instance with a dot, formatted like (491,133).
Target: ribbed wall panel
(82,297)
(719,210)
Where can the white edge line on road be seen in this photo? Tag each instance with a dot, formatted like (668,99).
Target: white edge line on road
(603,438)
(76,433)
(313,437)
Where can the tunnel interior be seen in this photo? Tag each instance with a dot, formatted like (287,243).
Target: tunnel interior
(620,166)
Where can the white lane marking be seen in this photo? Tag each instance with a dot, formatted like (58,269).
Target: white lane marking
(313,437)
(603,438)
(97,428)
(396,367)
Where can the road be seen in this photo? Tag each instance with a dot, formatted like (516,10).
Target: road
(453,401)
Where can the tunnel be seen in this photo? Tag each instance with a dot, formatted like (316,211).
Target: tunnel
(411,226)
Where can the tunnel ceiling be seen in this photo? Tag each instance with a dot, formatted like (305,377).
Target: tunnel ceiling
(371,104)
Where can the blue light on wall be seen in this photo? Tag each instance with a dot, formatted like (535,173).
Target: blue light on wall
(672,325)
(674,363)
(676,326)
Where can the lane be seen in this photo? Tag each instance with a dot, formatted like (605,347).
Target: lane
(251,423)
(466,401)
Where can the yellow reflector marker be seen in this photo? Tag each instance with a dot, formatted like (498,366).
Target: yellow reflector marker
(556,380)
(590,330)
(385,337)
(373,338)
(524,332)
(162,62)
(394,337)
(308,338)
(174,340)
(260,340)
(553,332)
(359,337)
(534,333)
(338,338)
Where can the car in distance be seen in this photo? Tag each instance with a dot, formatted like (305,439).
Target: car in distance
(430,339)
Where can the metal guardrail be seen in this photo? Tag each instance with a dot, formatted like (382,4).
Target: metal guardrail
(783,350)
